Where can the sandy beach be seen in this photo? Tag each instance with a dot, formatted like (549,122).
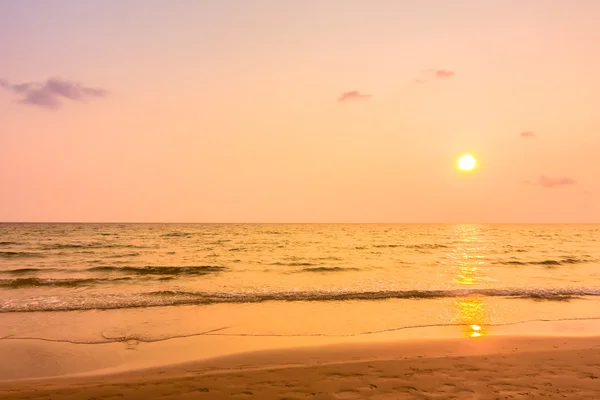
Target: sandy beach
(503,367)
(227,311)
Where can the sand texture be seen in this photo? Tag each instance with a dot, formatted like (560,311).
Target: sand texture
(483,368)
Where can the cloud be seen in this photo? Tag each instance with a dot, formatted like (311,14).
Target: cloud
(553,182)
(443,73)
(51,93)
(548,182)
(527,134)
(434,74)
(353,95)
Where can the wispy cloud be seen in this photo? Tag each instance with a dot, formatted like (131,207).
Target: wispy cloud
(547,182)
(353,95)
(51,93)
(444,73)
(527,134)
(434,74)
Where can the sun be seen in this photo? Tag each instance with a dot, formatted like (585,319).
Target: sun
(467,163)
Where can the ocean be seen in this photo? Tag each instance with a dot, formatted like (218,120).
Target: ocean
(97,283)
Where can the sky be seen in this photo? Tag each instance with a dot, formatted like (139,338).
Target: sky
(299,111)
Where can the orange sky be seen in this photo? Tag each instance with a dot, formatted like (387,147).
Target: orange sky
(299,111)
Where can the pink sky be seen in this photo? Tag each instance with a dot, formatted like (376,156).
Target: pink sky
(299,111)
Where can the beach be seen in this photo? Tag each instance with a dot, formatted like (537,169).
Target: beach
(324,311)
(502,367)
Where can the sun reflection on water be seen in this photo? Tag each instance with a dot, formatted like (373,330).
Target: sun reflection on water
(472,313)
(469,260)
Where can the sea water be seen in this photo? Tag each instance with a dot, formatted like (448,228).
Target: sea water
(100,283)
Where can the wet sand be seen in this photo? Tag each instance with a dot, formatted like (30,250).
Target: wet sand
(501,367)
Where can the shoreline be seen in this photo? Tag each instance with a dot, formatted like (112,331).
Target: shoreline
(34,359)
(511,365)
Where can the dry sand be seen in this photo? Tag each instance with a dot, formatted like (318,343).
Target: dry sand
(467,368)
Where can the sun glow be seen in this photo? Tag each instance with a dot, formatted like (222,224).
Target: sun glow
(467,163)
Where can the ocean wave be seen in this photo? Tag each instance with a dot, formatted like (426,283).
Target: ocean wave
(124,255)
(547,263)
(180,298)
(20,254)
(238,249)
(8,243)
(573,261)
(550,297)
(177,234)
(218,242)
(432,246)
(296,264)
(69,283)
(327,269)
(93,245)
(424,246)
(162,270)
(147,270)
(63,246)
(21,271)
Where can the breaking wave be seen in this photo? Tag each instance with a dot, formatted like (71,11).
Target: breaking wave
(178,298)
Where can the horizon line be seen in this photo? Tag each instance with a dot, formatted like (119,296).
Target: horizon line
(297,223)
